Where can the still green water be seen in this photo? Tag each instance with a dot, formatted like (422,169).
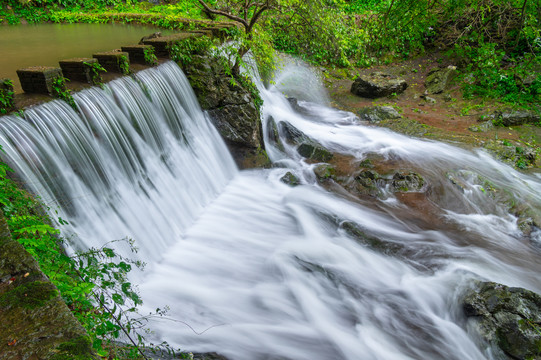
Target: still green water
(45,44)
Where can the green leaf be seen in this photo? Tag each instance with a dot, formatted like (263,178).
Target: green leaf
(119,299)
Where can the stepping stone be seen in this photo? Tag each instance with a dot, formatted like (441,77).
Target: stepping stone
(114,61)
(38,79)
(76,69)
(137,53)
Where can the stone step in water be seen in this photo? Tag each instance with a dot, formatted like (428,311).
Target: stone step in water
(38,79)
(114,61)
(137,53)
(79,69)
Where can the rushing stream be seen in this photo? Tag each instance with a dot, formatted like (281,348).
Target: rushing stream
(262,270)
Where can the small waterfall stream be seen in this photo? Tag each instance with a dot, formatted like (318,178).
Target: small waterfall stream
(262,270)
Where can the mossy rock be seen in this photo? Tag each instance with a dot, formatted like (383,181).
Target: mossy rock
(407,182)
(29,296)
(375,114)
(314,152)
(324,172)
(439,80)
(290,179)
(273,134)
(232,103)
(507,318)
(372,242)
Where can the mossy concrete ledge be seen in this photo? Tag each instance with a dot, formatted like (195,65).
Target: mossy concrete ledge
(38,79)
(78,69)
(162,44)
(114,61)
(34,321)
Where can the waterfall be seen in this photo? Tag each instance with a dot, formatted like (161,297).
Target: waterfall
(138,160)
(262,270)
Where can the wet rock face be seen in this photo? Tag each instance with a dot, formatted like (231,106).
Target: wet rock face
(377,85)
(439,80)
(509,318)
(291,134)
(231,105)
(369,182)
(376,114)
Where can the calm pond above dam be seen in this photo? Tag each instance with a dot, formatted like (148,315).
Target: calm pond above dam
(45,44)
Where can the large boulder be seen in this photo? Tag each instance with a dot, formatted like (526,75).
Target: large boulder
(375,114)
(507,318)
(438,79)
(231,103)
(378,85)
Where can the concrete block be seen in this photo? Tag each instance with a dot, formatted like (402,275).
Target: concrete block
(77,70)
(114,61)
(137,53)
(38,79)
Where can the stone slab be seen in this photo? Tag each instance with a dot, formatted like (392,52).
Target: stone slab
(76,70)
(112,60)
(38,79)
(137,53)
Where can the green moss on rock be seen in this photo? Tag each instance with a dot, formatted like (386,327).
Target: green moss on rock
(29,295)
(79,348)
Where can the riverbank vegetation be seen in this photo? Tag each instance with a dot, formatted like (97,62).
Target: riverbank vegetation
(495,43)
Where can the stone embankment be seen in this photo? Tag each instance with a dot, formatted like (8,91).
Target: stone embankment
(36,323)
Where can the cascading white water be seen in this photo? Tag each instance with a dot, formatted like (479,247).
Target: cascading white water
(140,162)
(261,270)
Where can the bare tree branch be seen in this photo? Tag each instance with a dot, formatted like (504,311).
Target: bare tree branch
(224,13)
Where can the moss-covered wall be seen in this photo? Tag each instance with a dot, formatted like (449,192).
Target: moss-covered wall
(34,321)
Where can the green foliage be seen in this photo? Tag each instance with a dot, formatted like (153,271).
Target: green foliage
(95,70)
(486,76)
(6,96)
(182,51)
(60,91)
(124,65)
(150,56)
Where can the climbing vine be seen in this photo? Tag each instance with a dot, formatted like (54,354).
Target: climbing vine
(150,56)
(60,91)
(124,65)
(95,70)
